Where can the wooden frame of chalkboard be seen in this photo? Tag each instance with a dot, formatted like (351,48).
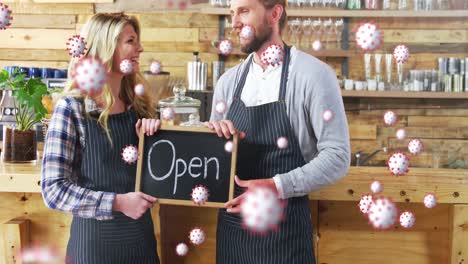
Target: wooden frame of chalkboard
(204,142)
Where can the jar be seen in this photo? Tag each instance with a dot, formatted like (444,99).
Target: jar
(183,106)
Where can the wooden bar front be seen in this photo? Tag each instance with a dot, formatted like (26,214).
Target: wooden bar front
(341,231)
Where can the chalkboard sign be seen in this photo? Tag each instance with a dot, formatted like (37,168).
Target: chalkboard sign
(176,159)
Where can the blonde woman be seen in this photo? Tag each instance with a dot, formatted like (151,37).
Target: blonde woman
(83,172)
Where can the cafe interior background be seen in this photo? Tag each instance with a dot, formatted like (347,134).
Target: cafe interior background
(401,65)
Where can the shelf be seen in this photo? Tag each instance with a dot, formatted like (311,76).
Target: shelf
(322,53)
(402,94)
(311,12)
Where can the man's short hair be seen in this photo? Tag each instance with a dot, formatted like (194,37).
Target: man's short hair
(268,4)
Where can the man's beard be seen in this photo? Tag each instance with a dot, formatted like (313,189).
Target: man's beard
(259,40)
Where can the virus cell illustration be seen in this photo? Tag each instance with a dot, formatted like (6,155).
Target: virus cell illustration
(5,16)
(390,118)
(273,55)
(226,47)
(168,113)
(181,249)
(317,45)
(401,53)
(126,67)
(401,134)
(130,154)
(197,236)
(365,203)
(415,146)
(200,194)
(407,219)
(327,115)
(90,75)
(430,200)
(382,213)
(155,67)
(376,187)
(221,107)
(247,32)
(229,146)
(76,46)
(398,163)
(368,36)
(139,89)
(282,142)
(261,210)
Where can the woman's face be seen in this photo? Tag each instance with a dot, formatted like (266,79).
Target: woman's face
(128,48)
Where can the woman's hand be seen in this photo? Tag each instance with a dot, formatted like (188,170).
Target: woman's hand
(133,204)
(149,126)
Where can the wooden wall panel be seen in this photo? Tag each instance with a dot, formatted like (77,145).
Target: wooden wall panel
(345,236)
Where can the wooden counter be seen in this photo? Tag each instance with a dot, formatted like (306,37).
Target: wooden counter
(451,186)
(439,234)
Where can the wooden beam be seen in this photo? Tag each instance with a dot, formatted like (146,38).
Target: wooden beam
(16,236)
(33,38)
(459,233)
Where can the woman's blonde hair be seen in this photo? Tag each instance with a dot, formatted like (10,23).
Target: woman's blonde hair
(101,34)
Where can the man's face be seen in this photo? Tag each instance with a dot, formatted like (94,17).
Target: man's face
(254,14)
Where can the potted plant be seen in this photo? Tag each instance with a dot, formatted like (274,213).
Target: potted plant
(19,141)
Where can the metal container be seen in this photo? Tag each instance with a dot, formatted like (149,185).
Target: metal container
(183,106)
(197,74)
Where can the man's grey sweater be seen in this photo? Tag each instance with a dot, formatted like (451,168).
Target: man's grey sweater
(312,88)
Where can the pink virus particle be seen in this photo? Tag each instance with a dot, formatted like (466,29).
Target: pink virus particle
(401,53)
(76,46)
(327,115)
(430,200)
(38,254)
(5,16)
(390,118)
(398,163)
(130,154)
(168,113)
(407,219)
(415,146)
(197,236)
(155,67)
(90,75)
(365,203)
(247,32)
(273,55)
(126,67)
(261,210)
(317,45)
(183,4)
(376,187)
(221,107)
(229,146)
(200,194)
(226,47)
(401,134)
(139,89)
(182,249)
(368,36)
(382,213)
(282,142)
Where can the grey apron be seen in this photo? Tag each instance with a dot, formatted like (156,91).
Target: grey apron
(122,239)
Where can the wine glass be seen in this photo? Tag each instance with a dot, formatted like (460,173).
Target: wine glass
(339,24)
(327,27)
(307,31)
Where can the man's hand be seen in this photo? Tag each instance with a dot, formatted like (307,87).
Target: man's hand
(233,206)
(224,127)
(149,126)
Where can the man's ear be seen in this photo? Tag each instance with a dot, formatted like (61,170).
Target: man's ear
(276,13)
